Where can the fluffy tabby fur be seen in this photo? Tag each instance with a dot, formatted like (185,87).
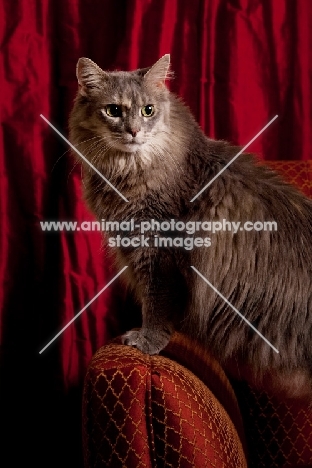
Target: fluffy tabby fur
(159,163)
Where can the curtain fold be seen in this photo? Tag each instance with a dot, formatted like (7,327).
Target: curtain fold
(237,63)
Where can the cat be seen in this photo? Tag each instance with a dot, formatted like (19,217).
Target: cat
(145,141)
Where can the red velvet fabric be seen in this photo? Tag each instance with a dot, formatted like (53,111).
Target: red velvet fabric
(237,63)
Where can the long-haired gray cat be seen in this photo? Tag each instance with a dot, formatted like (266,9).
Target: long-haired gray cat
(144,140)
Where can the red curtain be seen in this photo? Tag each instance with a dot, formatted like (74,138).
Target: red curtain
(237,63)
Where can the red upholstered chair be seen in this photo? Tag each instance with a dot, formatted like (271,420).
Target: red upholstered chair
(152,411)
(179,409)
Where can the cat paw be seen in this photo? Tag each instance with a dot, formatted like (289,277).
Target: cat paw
(149,342)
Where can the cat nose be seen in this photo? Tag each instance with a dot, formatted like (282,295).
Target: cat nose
(133,131)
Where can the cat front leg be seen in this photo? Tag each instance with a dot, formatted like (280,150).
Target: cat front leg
(149,340)
(163,296)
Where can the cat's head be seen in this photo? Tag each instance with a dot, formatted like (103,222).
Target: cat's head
(127,110)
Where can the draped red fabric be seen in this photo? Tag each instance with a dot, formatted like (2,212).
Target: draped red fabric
(237,63)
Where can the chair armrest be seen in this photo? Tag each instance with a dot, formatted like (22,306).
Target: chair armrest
(147,411)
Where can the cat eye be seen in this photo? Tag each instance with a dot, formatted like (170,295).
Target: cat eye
(148,111)
(113,110)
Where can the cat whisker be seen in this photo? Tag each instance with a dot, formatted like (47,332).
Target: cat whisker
(76,163)
(93,147)
(173,167)
(81,174)
(62,155)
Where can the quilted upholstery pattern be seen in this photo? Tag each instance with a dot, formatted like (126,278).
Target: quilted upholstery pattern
(298,173)
(114,417)
(148,411)
(279,432)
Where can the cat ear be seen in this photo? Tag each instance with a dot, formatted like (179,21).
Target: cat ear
(89,75)
(158,73)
